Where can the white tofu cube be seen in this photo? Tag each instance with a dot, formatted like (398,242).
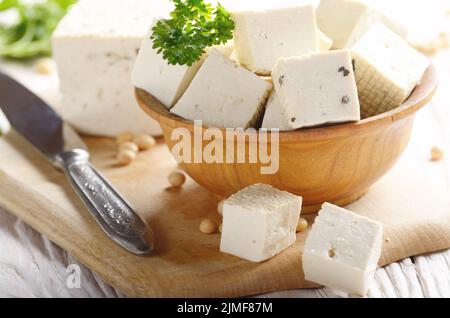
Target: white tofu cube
(387,70)
(342,250)
(224,95)
(259,222)
(264,36)
(313,90)
(156,76)
(5,126)
(95,47)
(345,21)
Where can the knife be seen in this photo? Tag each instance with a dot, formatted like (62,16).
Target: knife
(60,144)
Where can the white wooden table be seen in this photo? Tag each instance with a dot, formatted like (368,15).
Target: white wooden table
(32,266)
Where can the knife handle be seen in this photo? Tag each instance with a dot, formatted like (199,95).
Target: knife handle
(114,215)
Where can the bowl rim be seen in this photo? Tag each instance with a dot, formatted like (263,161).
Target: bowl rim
(421,96)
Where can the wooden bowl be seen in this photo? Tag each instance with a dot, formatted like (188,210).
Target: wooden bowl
(336,164)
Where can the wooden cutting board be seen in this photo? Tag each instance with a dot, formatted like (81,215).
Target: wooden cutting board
(188,263)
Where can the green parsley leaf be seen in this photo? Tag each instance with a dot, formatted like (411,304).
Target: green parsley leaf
(193,26)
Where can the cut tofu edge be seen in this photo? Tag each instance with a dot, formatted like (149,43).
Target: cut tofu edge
(342,250)
(272,215)
(307,92)
(387,70)
(379,43)
(292,32)
(233,98)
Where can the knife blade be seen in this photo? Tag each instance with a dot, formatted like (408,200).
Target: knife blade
(60,144)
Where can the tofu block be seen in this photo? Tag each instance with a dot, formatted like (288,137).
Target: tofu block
(95,56)
(387,70)
(292,31)
(346,21)
(224,95)
(259,222)
(156,76)
(5,126)
(342,250)
(313,90)
(325,43)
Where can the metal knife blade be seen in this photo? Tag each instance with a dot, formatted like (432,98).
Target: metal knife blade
(47,132)
(35,120)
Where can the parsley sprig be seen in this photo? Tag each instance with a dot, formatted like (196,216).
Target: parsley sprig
(193,26)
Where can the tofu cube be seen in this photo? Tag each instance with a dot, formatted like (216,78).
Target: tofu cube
(156,76)
(387,70)
(95,55)
(259,222)
(313,90)
(224,95)
(342,250)
(264,36)
(345,21)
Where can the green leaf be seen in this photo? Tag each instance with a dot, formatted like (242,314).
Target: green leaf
(193,26)
(30,36)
